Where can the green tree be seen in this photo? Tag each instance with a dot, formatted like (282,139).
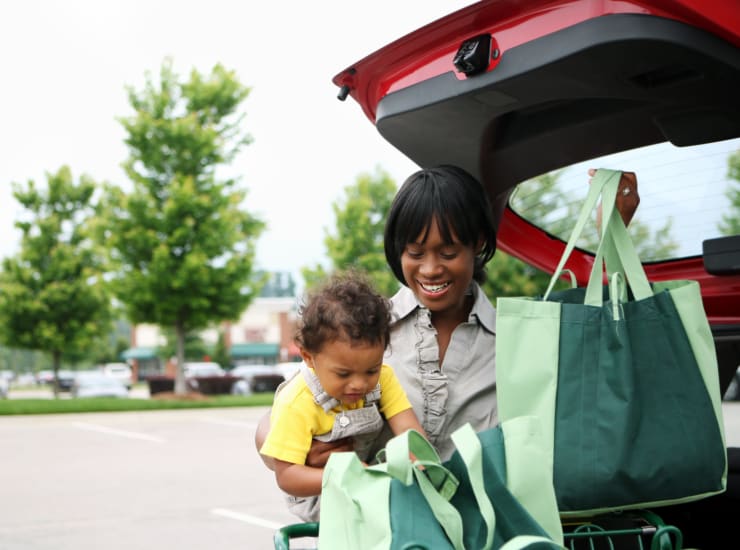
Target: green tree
(181,240)
(730,224)
(194,347)
(110,348)
(52,294)
(509,276)
(358,238)
(221,352)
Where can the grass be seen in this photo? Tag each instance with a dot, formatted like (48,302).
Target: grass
(105,404)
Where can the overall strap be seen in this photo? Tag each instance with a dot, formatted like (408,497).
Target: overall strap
(326,401)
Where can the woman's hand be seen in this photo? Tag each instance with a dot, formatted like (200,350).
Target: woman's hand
(319,452)
(628,199)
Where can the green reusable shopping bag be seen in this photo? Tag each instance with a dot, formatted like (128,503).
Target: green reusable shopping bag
(421,504)
(623,376)
(357,509)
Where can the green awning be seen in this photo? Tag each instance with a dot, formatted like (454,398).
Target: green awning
(255,349)
(139,353)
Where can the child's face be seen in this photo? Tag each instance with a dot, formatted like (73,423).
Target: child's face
(347,372)
(438,273)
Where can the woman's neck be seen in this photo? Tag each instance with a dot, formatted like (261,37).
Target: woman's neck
(445,323)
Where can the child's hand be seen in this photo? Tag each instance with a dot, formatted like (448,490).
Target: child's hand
(414,460)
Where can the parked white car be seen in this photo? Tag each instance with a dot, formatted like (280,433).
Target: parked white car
(97,384)
(119,371)
(193,369)
(255,378)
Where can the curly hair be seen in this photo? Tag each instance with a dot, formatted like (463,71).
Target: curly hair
(346,308)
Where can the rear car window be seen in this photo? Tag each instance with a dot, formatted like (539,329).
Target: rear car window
(686,196)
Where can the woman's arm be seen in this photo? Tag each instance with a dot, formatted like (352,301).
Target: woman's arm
(298,480)
(260,434)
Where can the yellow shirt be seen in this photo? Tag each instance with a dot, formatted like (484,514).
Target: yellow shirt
(296,417)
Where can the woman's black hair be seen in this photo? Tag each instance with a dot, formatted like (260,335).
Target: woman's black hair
(456,200)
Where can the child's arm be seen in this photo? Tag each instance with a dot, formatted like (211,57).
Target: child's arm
(298,480)
(405,420)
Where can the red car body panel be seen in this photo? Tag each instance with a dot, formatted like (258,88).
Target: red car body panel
(428,52)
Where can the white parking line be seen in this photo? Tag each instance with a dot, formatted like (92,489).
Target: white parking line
(113,431)
(246,518)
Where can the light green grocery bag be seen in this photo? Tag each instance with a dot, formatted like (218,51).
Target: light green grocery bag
(622,375)
(420,503)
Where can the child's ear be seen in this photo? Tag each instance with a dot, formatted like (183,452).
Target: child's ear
(307,357)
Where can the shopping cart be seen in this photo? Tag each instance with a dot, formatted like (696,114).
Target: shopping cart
(639,530)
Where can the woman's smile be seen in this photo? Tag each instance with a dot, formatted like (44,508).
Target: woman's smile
(434,289)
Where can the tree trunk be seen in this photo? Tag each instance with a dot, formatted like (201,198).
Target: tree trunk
(180,386)
(56,358)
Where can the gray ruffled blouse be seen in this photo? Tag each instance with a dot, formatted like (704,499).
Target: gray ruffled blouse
(463,388)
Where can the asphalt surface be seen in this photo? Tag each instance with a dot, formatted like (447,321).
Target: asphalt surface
(187,479)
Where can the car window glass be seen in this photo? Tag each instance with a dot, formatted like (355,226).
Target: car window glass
(687,194)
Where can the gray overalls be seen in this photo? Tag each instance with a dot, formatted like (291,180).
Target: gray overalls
(363,425)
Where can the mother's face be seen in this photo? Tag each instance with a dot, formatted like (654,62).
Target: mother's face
(438,273)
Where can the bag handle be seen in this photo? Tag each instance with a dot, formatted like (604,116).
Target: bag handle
(401,467)
(615,247)
(445,513)
(435,481)
(469,447)
(614,244)
(592,197)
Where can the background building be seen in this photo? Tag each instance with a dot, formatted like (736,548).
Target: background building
(263,334)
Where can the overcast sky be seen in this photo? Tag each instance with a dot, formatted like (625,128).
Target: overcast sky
(65,66)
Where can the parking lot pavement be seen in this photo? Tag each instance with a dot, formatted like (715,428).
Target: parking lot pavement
(185,479)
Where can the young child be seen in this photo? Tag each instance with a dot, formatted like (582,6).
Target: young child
(343,390)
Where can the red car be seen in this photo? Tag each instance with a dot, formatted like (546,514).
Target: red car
(512,91)
(517,92)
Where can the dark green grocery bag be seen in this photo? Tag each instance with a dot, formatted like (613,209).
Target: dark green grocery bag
(510,466)
(623,375)
(420,503)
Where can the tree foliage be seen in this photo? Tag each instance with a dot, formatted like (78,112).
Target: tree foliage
(358,238)
(182,242)
(52,294)
(730,224)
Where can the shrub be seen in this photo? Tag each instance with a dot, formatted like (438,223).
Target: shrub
(214,385)
(159,384)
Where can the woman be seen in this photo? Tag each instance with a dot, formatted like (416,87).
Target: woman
(439,235)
